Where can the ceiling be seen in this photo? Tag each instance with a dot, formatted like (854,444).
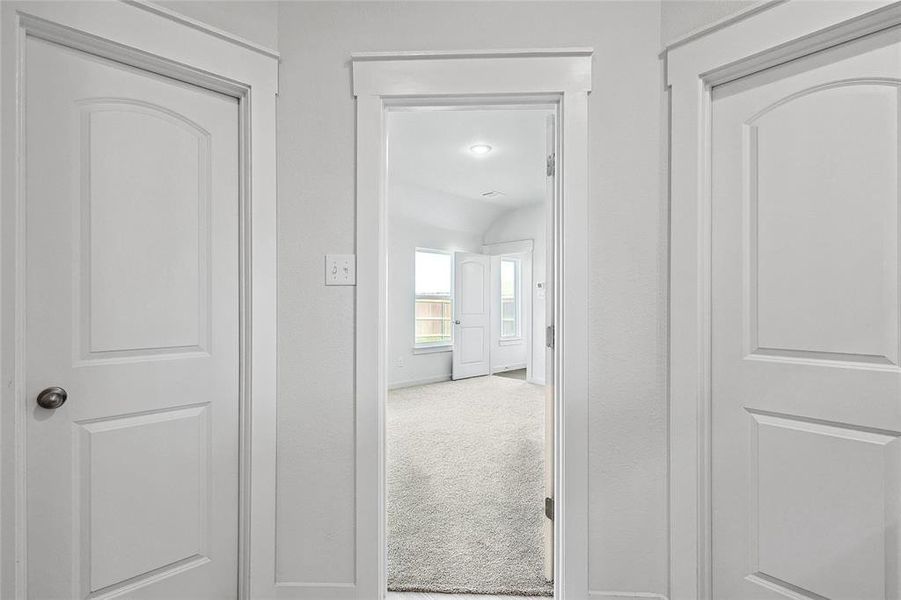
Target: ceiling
(432,174)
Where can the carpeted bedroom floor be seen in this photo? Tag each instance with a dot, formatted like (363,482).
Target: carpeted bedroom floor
(465,497)
(440,596)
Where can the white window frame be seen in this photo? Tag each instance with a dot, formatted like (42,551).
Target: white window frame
(421,348)
(504,340)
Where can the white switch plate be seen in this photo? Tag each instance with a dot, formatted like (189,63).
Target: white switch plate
(340,269)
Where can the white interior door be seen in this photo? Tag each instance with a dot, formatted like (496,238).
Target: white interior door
(132,307)
(806,383)
(472,318)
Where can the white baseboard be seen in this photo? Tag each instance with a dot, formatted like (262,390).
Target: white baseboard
(411,382)
(625,595)
(537,381)
(439,378)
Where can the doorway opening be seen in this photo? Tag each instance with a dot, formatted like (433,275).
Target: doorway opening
(561,80)
(469,410)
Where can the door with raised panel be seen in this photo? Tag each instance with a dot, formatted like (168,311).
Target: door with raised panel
(472,315)
(806,382)
(131,306)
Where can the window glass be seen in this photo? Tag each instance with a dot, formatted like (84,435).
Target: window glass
(510,298)
(434,298)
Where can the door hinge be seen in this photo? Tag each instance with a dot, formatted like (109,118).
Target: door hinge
(551,165)
(549,508)
(549,336)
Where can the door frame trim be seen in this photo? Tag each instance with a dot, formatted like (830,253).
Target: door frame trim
(135,35)
(775,34)
(478,77)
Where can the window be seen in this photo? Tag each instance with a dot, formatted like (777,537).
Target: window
(510,298)
(434,312)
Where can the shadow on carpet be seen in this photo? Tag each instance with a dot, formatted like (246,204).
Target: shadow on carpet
(465,493)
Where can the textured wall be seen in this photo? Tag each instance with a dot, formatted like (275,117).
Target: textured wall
(254,20)
(678,17)
(316,216)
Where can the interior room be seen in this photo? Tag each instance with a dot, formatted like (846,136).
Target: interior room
(450,300)
(467,200)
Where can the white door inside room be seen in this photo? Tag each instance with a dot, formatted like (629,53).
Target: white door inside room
(547,346)
(472,318)
(806,382)
(131,306)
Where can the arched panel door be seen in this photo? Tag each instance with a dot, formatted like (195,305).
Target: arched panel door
(131,306)
(806,382)
(472,336)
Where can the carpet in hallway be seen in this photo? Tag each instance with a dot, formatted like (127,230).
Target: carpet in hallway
(465,497)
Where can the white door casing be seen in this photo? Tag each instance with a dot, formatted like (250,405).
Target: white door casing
(509,77)
(784,289)
(472,315)
(139,35)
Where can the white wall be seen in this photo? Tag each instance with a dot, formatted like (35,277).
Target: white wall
(627,420)
(7,431)
(439,209)
(527,224)
(253,20)
(406,367)
(679,17)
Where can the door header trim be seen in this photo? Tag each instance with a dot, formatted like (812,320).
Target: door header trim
(472,73)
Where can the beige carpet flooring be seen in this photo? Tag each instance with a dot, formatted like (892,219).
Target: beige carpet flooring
(438,596)
(465,498)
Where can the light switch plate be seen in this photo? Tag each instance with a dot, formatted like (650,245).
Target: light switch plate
(340,269)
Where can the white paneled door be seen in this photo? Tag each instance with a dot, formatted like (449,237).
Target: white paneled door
(806,383)
(472,315)
(131,303)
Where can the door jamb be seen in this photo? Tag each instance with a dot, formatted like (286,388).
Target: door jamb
(135,34)
(772,34)
(477,77)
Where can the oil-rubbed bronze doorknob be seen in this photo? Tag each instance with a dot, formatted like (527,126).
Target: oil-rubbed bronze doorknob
(52,397)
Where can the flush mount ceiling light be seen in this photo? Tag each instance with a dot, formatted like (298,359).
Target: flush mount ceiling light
(480,149)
